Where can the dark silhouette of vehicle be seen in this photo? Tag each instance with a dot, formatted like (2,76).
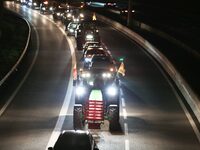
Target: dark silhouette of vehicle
(75,140)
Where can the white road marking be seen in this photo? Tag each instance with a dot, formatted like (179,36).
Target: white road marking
(127,147)
(124,113)
(123,102)
(121,92)
(63,112)
(25,77)
(126,129)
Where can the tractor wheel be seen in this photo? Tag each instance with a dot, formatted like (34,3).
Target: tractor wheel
(113,117)
(78,117)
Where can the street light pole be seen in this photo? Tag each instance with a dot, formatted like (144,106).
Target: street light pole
(130,8)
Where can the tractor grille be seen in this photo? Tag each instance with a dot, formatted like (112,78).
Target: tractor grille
(94,110)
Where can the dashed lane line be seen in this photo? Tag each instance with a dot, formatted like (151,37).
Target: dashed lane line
(127,147)
(124,113)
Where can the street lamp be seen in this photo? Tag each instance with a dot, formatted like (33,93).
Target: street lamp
(129,18)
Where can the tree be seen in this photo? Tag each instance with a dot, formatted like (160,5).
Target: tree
(1,8)
(1,14)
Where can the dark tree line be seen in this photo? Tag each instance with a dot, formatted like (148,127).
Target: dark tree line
(1,8)
(1,14)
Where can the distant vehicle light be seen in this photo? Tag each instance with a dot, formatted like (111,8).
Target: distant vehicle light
(69,15)
(86,75)
(71,30)
(89,37)
(46,2)
(43,8)
(58,14)
(75,19)
(35,4)
(51,8)
(111,69)
(91,83)
(81,15)
(106,75)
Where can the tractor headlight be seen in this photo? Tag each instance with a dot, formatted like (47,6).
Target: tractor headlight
(80,90)
(81,15)
(86,75)
(106,75)
(71,30)
(91,83)
(111,69)
(87,60)
(89,37)
(76,19)
(112,91)
(46,2)
(69,15)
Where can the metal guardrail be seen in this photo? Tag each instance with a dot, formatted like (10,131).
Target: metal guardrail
(191,98)
(20,58)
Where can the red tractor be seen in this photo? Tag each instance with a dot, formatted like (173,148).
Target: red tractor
(97,96)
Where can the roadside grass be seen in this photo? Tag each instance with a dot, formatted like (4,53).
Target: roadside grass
(13,37)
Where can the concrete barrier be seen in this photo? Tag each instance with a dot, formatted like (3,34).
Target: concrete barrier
(20,58)
(191,98)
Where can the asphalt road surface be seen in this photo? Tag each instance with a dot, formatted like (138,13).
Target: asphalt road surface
(152,117)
